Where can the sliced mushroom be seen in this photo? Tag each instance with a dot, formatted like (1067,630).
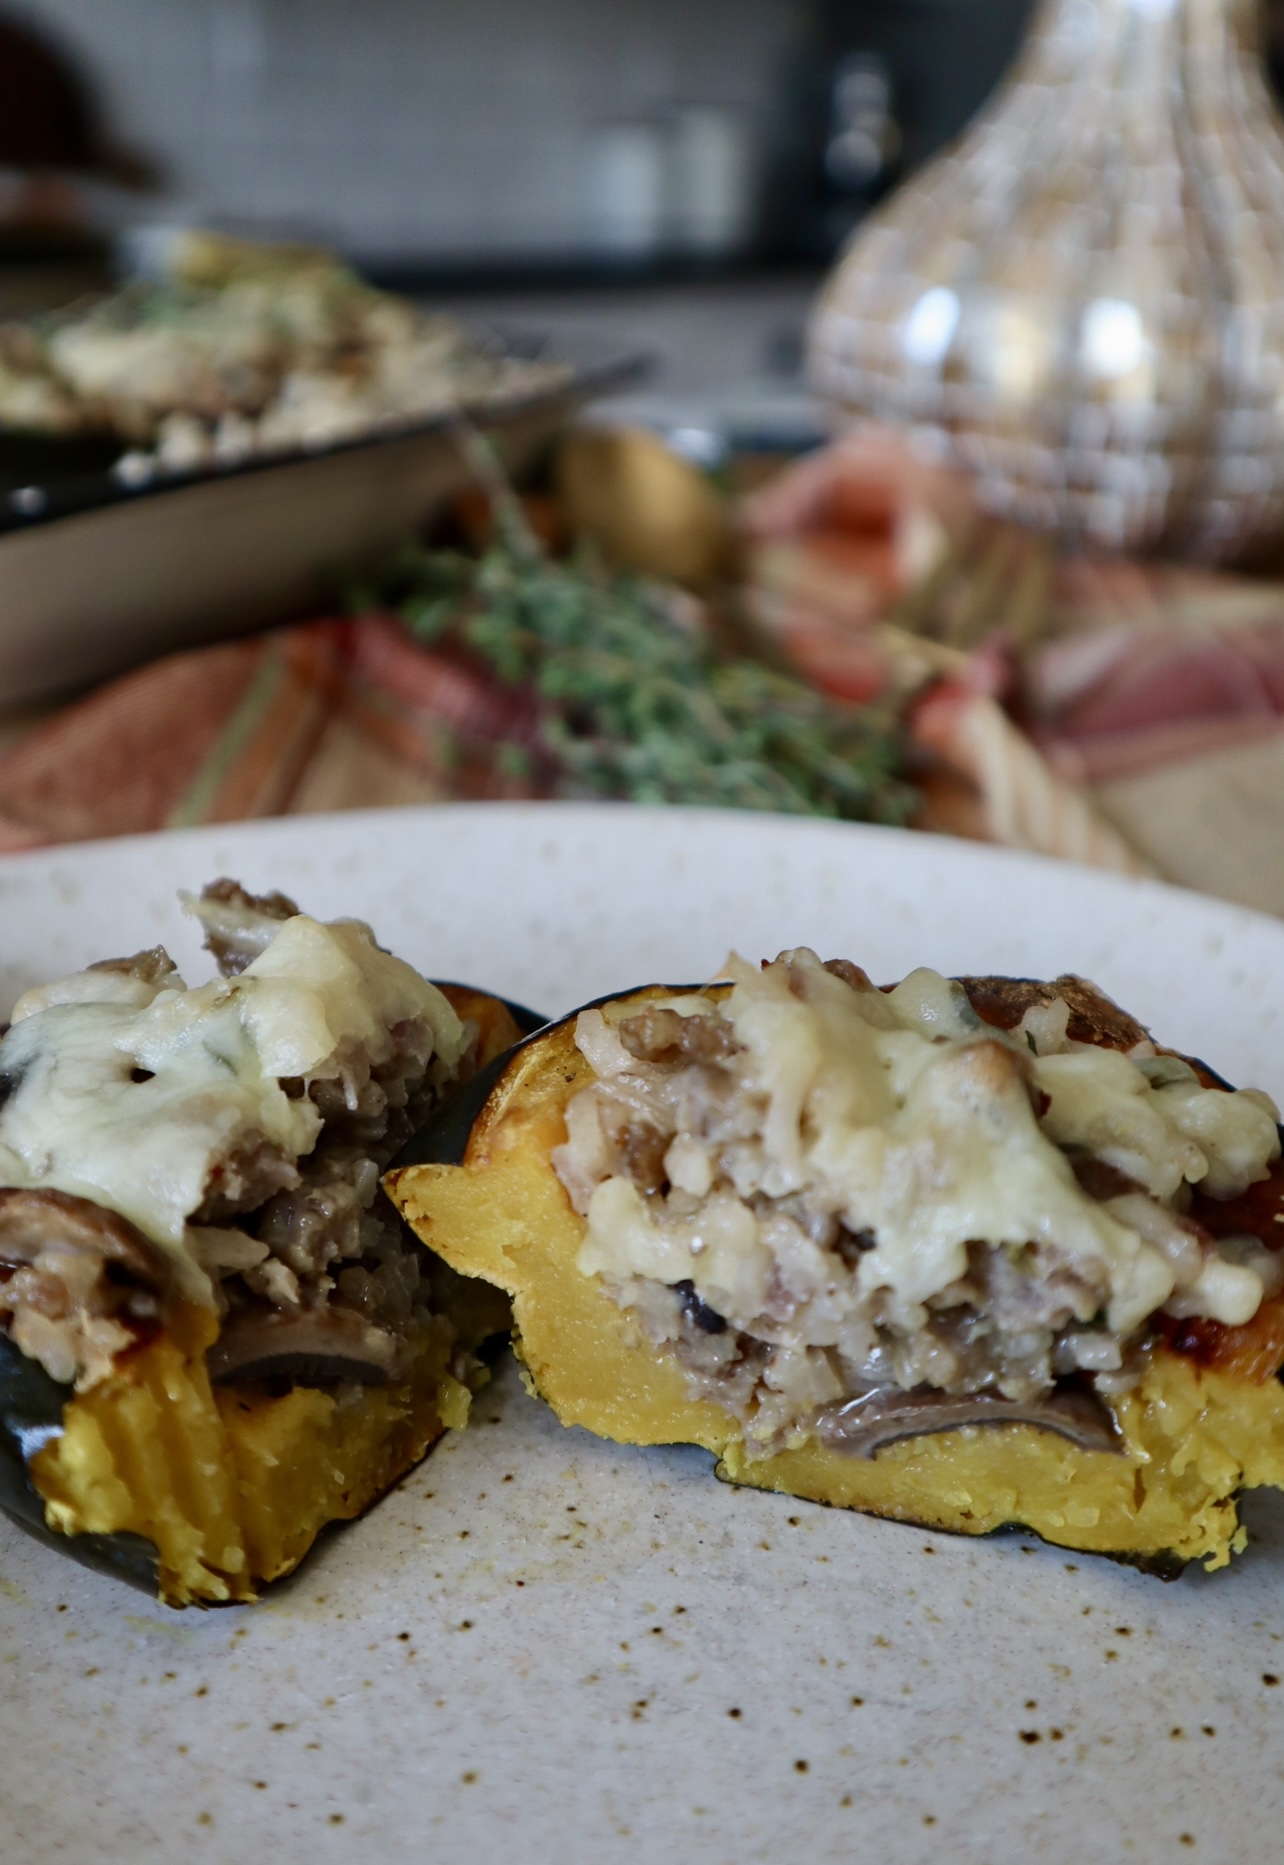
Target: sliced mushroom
(698,1312)
(38,1221)
(887,1415)
(312,1347)
(79,1285)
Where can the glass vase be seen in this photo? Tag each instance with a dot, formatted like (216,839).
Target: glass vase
(1082,303)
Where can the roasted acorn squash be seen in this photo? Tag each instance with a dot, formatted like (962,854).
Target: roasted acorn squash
(1205,1422)
(203,1492)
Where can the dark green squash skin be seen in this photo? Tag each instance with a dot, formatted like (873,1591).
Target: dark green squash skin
(445,1135)
(31,1408)
(32,1404)
(444,1139)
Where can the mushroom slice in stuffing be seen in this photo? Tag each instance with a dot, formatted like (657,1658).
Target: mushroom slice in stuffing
(315,1347)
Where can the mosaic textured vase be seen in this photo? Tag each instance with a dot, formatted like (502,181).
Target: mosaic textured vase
(1082,303)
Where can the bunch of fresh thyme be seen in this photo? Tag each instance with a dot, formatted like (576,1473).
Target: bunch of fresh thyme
(635,705)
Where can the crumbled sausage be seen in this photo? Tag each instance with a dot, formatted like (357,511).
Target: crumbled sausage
(662,1036)
(643,1148)
(850,974)
(1094,1018)
(252,1172)
(151,967)
(239,925)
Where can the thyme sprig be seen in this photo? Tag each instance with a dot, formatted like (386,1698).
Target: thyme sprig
(635,703)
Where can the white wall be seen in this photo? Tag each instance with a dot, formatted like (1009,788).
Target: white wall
(454,128)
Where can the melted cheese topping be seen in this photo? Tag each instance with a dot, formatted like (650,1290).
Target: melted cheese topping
(130,1093)
(907,1118)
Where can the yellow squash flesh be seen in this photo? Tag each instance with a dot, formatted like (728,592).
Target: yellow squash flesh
(1192,1438)
(233,1485)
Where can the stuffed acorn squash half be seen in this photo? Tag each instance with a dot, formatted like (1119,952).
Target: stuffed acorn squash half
(964,1253)
(216,1335)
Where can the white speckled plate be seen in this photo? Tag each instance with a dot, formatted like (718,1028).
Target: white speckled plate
(547,1647)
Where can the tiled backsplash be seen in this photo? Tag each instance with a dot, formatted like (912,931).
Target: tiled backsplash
(454,128)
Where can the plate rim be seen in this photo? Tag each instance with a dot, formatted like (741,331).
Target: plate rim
(952,848)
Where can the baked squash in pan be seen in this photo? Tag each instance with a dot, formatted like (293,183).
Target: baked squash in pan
(216,1336)
(964,1253)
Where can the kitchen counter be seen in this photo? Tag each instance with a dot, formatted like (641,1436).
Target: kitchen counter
(726,354)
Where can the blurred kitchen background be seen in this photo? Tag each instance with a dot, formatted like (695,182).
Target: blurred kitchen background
(678,173)
(979,441)
(490,133)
